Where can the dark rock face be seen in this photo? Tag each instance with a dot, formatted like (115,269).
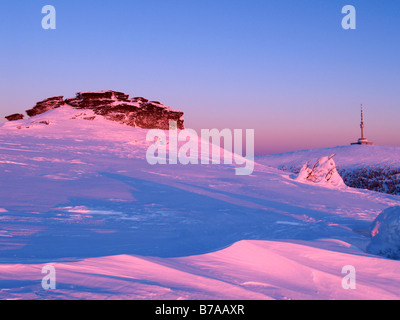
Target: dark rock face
(135,112)
(151,115)
(46,105)
(15,116)
(120,96)
(139,99)
(116,106)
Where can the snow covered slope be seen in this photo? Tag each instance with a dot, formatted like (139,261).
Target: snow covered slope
(79,194)
(371,167)
(351,156)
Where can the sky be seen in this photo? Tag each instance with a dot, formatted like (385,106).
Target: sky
(285,68)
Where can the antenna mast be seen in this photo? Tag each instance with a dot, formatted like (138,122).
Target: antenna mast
(362,122)
(362,140)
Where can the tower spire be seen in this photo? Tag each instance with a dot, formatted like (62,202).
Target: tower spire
(362,140)
(362,122)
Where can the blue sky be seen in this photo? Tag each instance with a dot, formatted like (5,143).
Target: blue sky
(285,68)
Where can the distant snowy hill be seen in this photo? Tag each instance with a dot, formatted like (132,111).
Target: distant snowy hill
(76,192)
(371,167)
(351,156)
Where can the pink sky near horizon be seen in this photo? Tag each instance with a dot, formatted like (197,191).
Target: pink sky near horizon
(288,127)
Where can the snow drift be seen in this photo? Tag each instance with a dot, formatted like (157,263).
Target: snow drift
(385,232)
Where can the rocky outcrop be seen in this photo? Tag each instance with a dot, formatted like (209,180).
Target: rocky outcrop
(15,116)
(97,100)
(116,106)
(46,105)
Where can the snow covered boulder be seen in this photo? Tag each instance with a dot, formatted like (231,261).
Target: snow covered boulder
(385,232)
(323,172)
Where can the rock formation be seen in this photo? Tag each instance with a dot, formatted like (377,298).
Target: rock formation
(115,106)
(15,116)
(45,105)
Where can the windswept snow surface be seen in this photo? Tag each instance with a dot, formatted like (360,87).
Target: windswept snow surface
(79,195)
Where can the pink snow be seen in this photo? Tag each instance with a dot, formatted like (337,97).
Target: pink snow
(65,159)
(257,270)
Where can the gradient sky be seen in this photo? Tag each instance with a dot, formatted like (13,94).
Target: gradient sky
(285,68)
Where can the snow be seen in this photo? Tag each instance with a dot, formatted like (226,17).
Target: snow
(385,232)
(80,195)
(323,172)
(371,167)
(351,156)
(258,270)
